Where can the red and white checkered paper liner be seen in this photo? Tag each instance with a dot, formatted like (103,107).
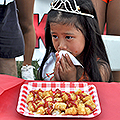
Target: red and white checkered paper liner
(63,86)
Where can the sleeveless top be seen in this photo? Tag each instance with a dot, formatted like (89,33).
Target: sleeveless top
(107,1)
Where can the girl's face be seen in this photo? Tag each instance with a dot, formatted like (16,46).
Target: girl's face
(67,37)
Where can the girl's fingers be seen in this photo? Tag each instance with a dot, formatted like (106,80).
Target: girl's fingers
(56,72)
(57,58)
(63,62)
(57,53)
(66,61)
(69,60)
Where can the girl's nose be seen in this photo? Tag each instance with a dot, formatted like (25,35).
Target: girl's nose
(62,45)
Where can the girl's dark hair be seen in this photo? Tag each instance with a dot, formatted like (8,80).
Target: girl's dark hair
(94,46)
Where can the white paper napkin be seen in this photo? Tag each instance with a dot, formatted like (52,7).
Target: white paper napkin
(74,60)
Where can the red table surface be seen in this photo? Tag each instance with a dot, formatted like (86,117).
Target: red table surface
(108,93)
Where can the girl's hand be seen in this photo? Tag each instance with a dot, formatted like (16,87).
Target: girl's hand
(65,68)
(56,69)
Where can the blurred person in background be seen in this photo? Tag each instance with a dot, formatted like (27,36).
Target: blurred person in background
(11,38)
(25,14)
(108,12)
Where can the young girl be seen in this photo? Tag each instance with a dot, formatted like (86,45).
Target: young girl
(72,26)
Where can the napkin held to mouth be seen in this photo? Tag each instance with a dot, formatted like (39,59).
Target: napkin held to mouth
(74,60)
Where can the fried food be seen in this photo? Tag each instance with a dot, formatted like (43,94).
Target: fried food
(60,103)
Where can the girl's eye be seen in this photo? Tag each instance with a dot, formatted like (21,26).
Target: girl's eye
(68,37)
(55,36)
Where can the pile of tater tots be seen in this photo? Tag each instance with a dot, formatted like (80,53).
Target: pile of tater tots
(60,103)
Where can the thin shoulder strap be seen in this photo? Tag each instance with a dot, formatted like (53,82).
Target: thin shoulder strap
(4,2)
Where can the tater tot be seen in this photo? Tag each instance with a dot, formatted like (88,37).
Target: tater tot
(73,96)
(88,111)
(32,106)
(71,111)
(30,97)
(47,93)
(41,110)
(60,106)
(78,92)
(65,97)
(81,109)
(88,97)
(56,112)
(91,103)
